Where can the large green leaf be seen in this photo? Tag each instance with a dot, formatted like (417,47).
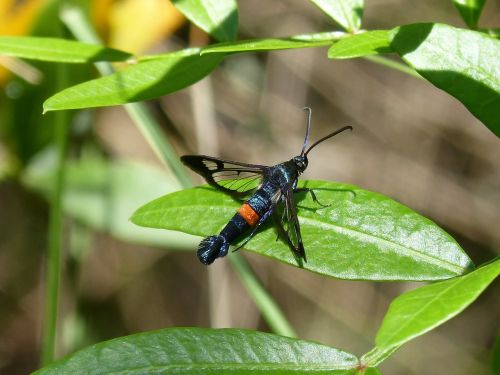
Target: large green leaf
(219,18)
(361,235)
(363,44)
(420,310)
(104,193)
(347,13)
(205,351)
(146,80)
(470,10)
(463,63)
(58,50)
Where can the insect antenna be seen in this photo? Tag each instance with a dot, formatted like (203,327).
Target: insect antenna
(308,127)
(325,138)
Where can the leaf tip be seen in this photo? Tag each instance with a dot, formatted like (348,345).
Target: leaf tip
(331,53)
(48,106)
(135,217)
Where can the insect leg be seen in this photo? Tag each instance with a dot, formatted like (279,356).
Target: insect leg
(313,195)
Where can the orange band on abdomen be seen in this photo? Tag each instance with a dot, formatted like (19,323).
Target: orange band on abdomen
(248,213)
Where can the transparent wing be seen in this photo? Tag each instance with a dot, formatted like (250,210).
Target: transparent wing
(235,178)
(288,225)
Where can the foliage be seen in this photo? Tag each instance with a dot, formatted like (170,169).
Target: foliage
(362,235)
(235,351)
(60,50)
(223,351)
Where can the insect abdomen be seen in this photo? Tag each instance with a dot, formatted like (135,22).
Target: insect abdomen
(211,248)
(235,228)
(249,214)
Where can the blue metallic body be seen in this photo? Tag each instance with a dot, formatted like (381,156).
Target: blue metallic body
(278,184)
(277,180)
(264,199)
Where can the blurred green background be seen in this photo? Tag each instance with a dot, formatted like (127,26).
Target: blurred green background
(411,142)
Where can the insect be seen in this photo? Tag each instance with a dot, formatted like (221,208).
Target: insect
(267,188)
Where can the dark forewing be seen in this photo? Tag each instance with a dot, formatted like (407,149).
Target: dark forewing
(288,225)
(235,178)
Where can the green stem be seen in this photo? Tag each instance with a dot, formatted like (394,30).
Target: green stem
(393,65)
(377,355)
(265,303)
(151,130)
(53,273)
(79,25)
(76,21)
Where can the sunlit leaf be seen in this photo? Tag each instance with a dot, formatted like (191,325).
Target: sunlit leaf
(361,235)
(58,50)
(463,63)
(268,44)
(219,18)
(205,351)
(420,310)
(416,312)
(364,44)
(347,13)
(147,80)
(470,10)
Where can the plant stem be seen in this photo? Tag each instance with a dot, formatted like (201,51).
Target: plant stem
(79,25)
(53,272)
(151,130)
(265,303)
(377,355)
(76,21)
(393,65)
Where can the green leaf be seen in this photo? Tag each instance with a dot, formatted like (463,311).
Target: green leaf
(58,50)
(470,10)
(347,13)
(371,371)
(205,351)
(143,81)
(103,194)
(361,235)
(416,312)
(463,63)
(219,18)
(364,44)
(493,32)
(271,44)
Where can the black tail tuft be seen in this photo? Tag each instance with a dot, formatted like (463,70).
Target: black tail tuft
(211,248)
